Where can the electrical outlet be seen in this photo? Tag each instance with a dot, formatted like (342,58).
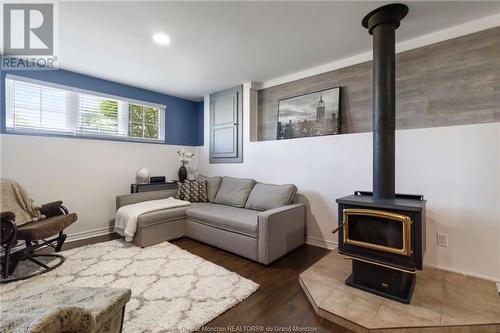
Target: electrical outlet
(442,240)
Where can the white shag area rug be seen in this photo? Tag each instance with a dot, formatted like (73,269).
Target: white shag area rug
(172,289)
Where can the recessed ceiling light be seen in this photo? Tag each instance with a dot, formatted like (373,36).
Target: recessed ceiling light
(161,39)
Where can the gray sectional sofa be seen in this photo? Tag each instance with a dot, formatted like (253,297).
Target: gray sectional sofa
(258,221)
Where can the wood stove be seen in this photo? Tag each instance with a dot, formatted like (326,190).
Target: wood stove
(386,241)
(383,232)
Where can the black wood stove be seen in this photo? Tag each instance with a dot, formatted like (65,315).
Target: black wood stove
(386,240)
(383,232)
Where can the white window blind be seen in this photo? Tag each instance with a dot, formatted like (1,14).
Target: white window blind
(39,107)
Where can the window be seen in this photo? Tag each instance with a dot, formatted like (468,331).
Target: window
(39,107)
(142,121)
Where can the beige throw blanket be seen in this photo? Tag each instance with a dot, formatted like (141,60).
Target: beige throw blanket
(16,200)
(126,216)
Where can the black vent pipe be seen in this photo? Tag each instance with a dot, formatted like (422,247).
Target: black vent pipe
(382,24)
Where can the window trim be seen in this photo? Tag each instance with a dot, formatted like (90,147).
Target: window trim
(78,134)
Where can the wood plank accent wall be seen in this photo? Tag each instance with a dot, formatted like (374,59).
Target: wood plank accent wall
(454,82)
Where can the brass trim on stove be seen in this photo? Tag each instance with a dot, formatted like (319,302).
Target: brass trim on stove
(405,220)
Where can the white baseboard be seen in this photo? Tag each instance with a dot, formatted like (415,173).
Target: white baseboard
(89,234)
(331,245)
(319,242)
(457,271)
(314,241)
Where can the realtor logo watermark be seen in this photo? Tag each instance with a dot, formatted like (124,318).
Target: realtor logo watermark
(29,36)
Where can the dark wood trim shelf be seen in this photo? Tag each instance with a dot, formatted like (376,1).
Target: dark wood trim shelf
(138,188)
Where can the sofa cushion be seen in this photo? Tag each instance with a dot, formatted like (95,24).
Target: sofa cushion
(268,196)
(161,216)
(234,191)
(38,230)
(192,190)
(198,204)
(213,184)
(166,215)
(240,220)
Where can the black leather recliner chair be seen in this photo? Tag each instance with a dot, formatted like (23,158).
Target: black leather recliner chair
(35,235)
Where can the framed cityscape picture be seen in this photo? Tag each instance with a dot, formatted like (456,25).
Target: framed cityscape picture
(312,114)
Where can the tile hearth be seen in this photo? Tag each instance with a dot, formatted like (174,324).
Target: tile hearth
(442,302)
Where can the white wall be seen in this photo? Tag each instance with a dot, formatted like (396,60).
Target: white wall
(456,168)
(86,174)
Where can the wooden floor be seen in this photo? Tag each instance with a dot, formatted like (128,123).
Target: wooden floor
(279,304)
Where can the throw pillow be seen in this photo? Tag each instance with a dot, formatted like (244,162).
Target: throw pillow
(212,185)
(192,191)
(234,191)
(269,196)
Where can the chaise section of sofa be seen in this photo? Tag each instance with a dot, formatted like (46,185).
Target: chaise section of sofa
(257,221)
(158,226)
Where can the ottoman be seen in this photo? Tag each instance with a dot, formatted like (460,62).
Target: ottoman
(68,309)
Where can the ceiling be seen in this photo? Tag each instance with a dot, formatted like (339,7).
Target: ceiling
(217,45)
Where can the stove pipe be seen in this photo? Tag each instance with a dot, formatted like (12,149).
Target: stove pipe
(382,24)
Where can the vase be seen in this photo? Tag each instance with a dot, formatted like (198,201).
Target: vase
(182,173)
(142,176)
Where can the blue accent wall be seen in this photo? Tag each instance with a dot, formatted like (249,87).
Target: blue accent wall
(183,117)
(201,122)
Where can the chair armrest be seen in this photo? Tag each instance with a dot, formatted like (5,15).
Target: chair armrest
(280,231)
(52,209)
(7,216)
(129,199)
(8,229)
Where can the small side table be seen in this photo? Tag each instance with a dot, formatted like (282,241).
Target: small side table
(139,188)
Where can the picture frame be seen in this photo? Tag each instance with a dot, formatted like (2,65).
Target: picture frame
(315,113)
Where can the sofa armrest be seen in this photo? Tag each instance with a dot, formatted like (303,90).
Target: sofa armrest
(280,231)
(129,199)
